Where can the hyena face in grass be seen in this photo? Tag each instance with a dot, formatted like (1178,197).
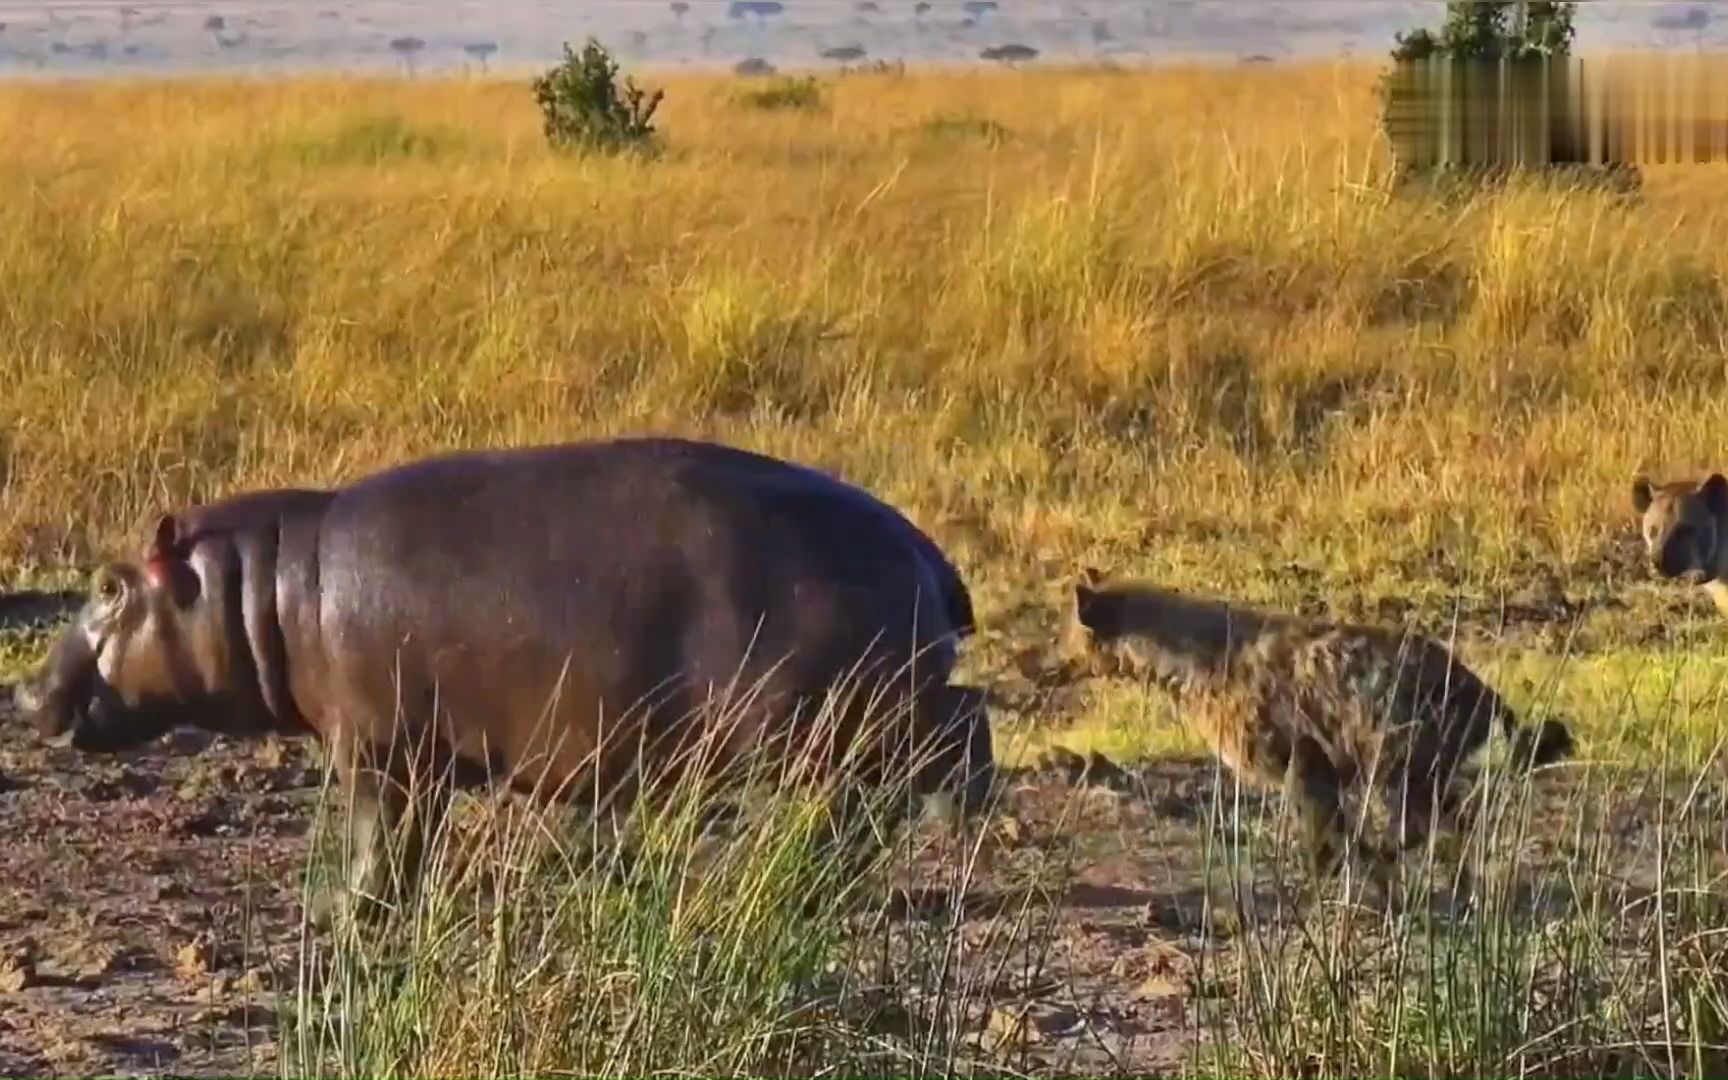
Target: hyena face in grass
(1684,525)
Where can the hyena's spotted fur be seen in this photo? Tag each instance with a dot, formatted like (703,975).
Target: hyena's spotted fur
(1310,705)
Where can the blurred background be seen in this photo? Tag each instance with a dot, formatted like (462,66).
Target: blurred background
(96,37)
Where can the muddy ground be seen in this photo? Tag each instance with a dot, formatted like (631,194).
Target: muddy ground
(150,903)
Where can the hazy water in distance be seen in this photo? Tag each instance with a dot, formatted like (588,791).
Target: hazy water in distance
(133,37)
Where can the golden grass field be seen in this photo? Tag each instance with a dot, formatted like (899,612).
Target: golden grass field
(1168,322)
(1175,323)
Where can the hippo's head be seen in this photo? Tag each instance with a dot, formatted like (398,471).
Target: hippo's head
(133,662)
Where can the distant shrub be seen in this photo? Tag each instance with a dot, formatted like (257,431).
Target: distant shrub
(794,93)
(585,108)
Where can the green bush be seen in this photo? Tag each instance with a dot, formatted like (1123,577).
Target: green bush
(1502,48)
(586,109)
(1478,29)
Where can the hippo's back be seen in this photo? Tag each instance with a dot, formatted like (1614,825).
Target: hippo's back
(607,575)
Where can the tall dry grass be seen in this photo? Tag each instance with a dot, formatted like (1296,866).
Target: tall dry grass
(1170,321)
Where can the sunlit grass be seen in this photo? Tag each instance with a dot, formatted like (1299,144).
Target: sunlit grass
(1144,322)
(1172,324)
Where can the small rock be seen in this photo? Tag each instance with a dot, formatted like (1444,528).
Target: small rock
(242,1015)
(190,961)
(17,976)
(188,741)
(1060,1023)
(1007,1028)
(272,753)
(99,959)
(203,955)
(1159,987)
(24,952)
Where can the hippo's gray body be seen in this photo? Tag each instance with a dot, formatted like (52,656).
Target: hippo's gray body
(514,613)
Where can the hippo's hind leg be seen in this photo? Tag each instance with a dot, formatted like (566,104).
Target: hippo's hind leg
(959,768)
(857,829)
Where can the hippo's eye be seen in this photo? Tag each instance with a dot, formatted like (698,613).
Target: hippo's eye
(108,589)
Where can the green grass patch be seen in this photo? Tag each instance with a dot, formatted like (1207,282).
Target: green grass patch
(380,139)
(962,127)
(803,93)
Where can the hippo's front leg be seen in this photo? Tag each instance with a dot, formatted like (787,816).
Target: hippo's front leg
(390,818)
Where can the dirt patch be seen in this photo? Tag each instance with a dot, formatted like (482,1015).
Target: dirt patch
(150,903)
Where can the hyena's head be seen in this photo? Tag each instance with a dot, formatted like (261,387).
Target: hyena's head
(1682,524)
(1131,628)
(1091,626)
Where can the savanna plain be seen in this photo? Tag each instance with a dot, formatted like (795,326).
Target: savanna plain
(1176,323)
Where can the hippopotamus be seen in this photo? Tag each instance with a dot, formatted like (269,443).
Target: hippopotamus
(559,620)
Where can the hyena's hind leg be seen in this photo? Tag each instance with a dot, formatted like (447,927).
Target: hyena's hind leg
(1313,790)
(1426,794)
(1313,795)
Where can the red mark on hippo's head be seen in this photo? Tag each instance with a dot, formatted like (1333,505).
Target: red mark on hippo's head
(165,561)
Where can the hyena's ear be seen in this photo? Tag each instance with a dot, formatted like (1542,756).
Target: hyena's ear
(1086,596)
(1714,491)
(1642,494)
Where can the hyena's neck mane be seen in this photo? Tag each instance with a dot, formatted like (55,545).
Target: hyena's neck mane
(1185,641)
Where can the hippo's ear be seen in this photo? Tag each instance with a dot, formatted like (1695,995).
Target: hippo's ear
(165,544)
(1642,494)
(1714,491)
(166,563)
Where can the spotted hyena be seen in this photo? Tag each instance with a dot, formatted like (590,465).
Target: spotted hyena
(1313,706)
(1684,523)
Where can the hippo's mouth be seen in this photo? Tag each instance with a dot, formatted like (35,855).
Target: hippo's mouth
(94,722)
(104,725)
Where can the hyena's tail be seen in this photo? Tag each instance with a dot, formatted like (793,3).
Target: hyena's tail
(1533,747)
